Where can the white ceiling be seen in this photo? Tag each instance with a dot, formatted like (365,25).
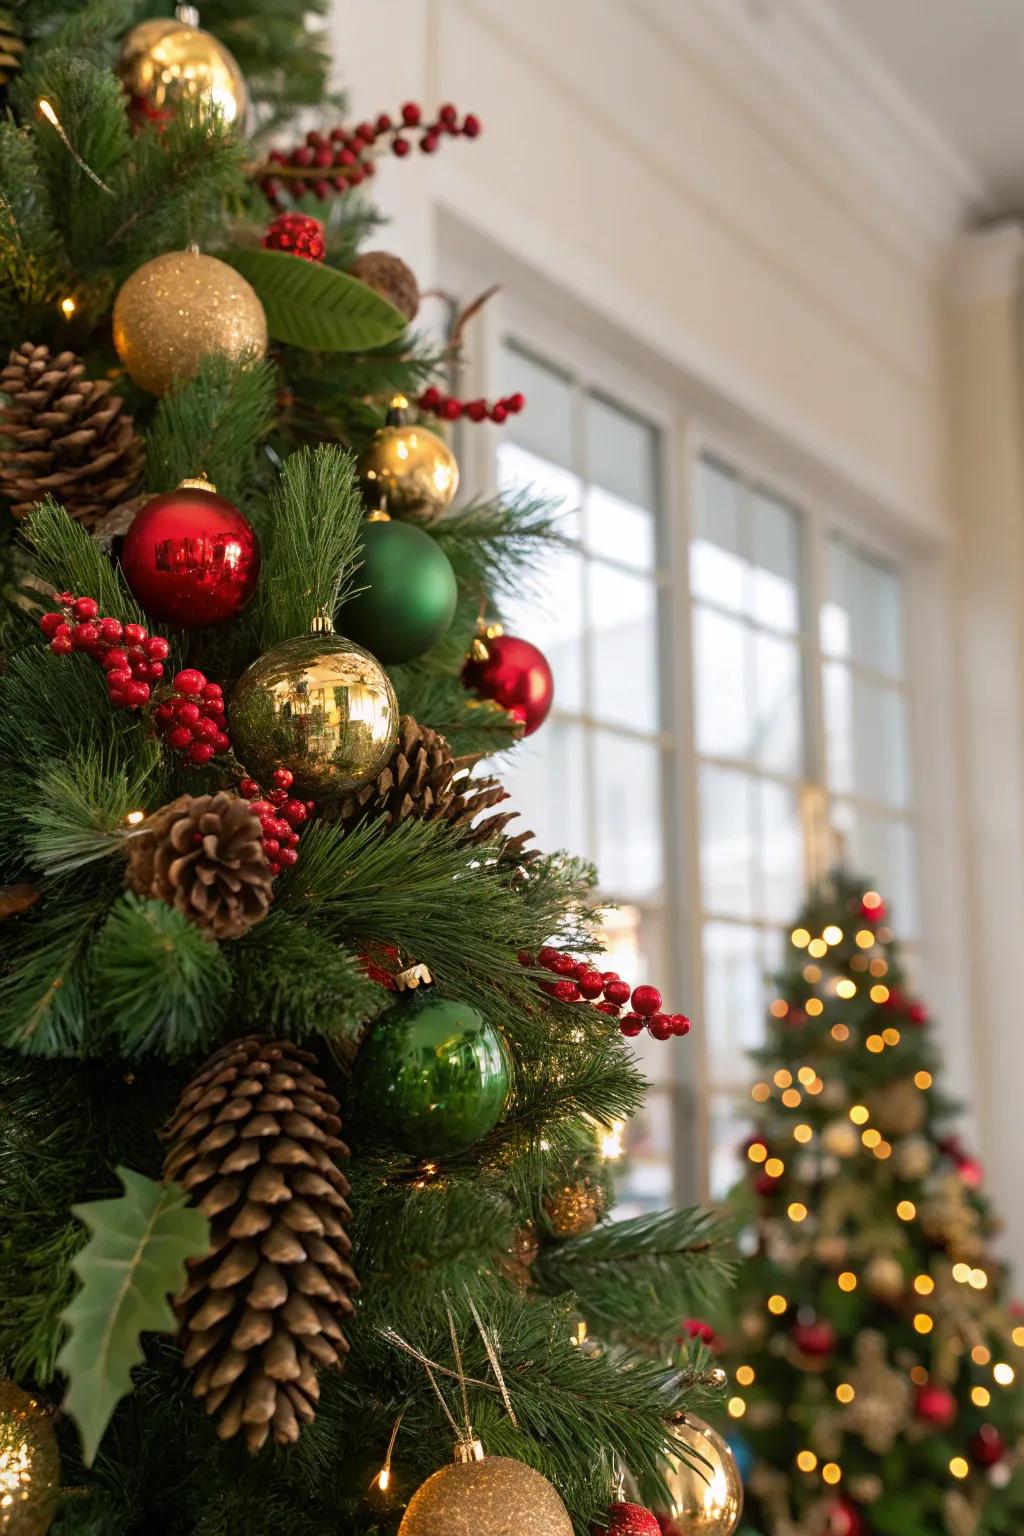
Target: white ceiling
(962,64)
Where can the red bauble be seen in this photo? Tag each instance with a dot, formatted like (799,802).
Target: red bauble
(817,1339)
(298,234)
(191,558)
(516,676)
(844,1519)
(628,1520)
(971,1172)
(987,1447)
(935,1404)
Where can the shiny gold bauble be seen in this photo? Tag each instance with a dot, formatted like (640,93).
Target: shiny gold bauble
(840,1139)
(575,1209)
(898,1108)
(492,1497)
(408,468)
(832,1250)
(320,706)
(884,1277)
(29,1464)
(164,63)
(179,308)
(707,1496)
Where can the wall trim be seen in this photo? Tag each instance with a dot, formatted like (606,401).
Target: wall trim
(987,264)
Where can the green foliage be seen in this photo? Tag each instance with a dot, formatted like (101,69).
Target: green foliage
(31,263)
(317,307)
(473,727)
(284,59)
(81,808)
(498,547)
(213,424)
(67,559)
(44,987)
(134,1259)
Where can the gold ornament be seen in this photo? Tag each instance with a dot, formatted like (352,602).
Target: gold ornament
(707,1496)
(29,1464)
(884,1277)
(959,1516)
(179,308)
(866,1487)
(913,1158)
(320,706)
(492,1496)
(880,1410)
(898,1108)
(832,1250)
(840,1139)
(408,468)
(575,1208)
(164,63)
(521,1254)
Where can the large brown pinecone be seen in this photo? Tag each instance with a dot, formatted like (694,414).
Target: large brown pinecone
(390,277)
(64,434)
(423,780)
(255,1142)
(203,854)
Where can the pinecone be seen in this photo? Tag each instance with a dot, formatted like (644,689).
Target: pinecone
(422,779)
(65,434)
(204,855)
(390,277)
(12,45)
(254,1141)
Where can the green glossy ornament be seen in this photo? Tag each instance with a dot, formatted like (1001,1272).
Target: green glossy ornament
(410,592)
(433,1077)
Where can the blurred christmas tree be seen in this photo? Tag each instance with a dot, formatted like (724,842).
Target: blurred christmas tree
(876,1357)
(255,897)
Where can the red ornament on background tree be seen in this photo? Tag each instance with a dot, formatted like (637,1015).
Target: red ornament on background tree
(628,1520)
(297,233)
(816,1339)
(844,1519)
(190,557)
(935,1405)
(513,673)
(987,1447)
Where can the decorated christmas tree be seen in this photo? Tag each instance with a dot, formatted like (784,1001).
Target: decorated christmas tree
(306,1050)
(877,1355)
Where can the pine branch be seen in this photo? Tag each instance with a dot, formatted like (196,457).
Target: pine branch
(32,270)
(472,727)
(44,989)
(69,560)
(81,810)
(213,424)
(497,546)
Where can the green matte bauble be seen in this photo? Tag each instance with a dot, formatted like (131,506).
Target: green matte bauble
(433,1077)
(409,595)
(322,707)
(29,1464)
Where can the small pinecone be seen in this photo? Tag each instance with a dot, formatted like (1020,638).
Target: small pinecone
(255,1142)
(204,855)
(423,780)
(390,277)
(64,434)
(12,45)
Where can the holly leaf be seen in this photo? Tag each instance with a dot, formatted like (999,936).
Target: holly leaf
(134,1259)
(316,307)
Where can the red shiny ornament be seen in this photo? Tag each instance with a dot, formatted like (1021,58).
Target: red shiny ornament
(297,233)
(844,1519)
(628,1520)
(873,914)
(935,1404)
(646,1000)
(515,675)
(987,1447)
(191,558)
(816,1339)
(971,1172)
(765,1184)
(617,992)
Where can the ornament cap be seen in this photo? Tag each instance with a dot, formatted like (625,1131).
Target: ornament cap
(322,624)
(378,515)
(197,482)
(412,977)
(468,1450)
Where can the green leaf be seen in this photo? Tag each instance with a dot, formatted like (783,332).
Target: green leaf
(315,307)
(133,1260)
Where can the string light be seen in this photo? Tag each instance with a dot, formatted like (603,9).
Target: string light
(883,1151)
(981,1397)
(924,1285)
(806,1075)
(792,1098)
(919,1375)
(846,988)
(1004,1374)
(871,900)
(134,817)
(745,1375)
(779,1008)
(864,938)
(611,1142)
(816,1086)
(757,1152)
(737,1407)
(860,1114)
(832,934)
(840,1032)
(891,1036)
(51,117)
(777,1305)
(923,1080)
(800,938)
(871,1138)
(802,1133)
(817,949)
(879,992)
(760,1093)
(383,1478)
(977,1279)
(959,1467)
(831,1473)
(923,1323)
(775,1167)
(1018,1337)
(813,1007)
(783,1079)
(812,973)
(797,1211)
(875,1044)
(879,967)
(980,1355)
(858,962)
(845,1392)
(68,307)
(847,1281)
(806,1461)
(906,1210)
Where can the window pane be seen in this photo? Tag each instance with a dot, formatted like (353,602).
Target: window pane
(775,599)
(621,454)
(633,946)
(521,470)
(546,427)
(552,617)
(723,692)
(733,997)
(778,716)
(619,530)
(645,1183)
(866,736)
(729,1125)
(881,849)
(717,562)
(546,779)
(862,618)
(627,793)
(624,665)
(782,855)
(727,840)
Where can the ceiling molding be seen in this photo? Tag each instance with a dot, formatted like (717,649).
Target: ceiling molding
(838,84)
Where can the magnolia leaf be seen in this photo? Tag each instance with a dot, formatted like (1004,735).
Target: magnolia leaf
(134,1259)
(317,307)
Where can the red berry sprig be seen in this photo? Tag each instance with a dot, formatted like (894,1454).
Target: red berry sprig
(280,816)
(344,157)
(131,657)
(192,721)
(451,408)
(297,233)
(580,981)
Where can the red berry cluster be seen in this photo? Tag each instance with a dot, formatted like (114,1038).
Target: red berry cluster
(344,157)
(297,233)
(280,816)
(692,1328)
(913,1011)
(192,722)
(580,981)
(450,407)
(131,657)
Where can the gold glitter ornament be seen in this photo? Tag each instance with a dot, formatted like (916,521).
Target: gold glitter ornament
(320,706)
(179,308)
(493,1496)
(166,62)
(408,468)
(881,1407)
(840,1139)
(29,1464)
(707,1495)
(884,1277)
(575,1209)
(913,1158)
(898,1108)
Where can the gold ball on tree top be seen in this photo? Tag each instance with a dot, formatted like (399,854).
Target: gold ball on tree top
(492,1497)
(165,62)
(29,1464)
(179,308)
